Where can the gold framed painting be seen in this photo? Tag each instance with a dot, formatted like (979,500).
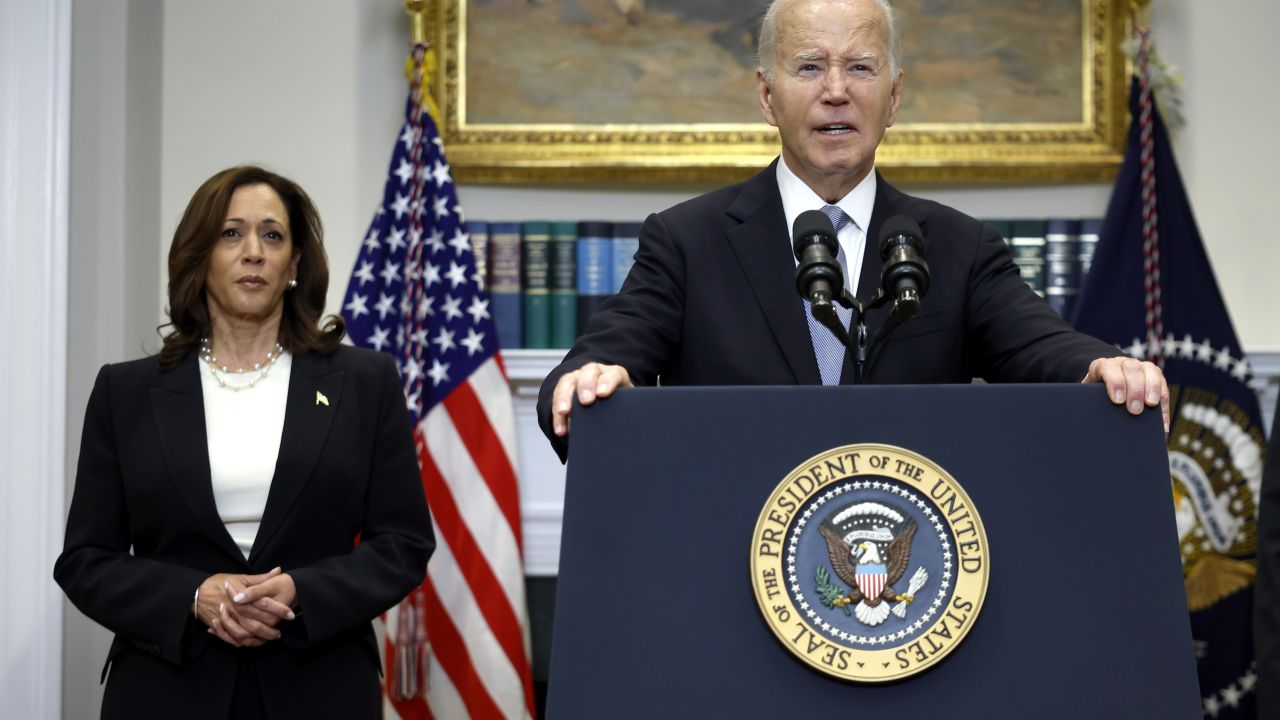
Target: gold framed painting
(627,91)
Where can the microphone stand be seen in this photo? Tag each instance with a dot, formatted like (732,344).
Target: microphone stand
(825,312)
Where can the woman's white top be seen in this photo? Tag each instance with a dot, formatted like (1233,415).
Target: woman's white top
(243,429)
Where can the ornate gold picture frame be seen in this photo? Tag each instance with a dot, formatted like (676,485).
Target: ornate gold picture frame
(1058,112)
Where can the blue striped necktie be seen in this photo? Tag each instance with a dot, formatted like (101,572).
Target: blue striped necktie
(828,349)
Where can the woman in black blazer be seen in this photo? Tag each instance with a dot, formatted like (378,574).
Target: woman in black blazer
(247,501)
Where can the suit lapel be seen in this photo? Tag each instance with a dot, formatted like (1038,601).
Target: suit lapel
(760,245)
(306,426)
(178,407)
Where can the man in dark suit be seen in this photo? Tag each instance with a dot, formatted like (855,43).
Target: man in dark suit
(711,299)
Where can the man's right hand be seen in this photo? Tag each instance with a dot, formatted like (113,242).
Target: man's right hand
(590,381)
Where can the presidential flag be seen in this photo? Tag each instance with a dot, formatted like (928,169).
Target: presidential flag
(1152,292)
(458,646)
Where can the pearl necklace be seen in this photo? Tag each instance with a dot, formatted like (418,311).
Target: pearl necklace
(261,368)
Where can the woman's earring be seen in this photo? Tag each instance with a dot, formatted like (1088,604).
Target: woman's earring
(293,284)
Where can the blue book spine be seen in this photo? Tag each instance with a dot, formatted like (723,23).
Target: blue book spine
(505,297)
(626,240)
(595,268)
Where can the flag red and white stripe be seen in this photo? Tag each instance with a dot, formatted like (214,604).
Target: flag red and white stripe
(458,647)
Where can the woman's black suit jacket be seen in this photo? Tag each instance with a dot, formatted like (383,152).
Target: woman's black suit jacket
(143,532)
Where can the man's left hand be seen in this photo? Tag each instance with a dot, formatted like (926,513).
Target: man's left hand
(1136,384)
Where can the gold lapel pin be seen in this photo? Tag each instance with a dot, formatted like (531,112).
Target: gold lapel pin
(321,399)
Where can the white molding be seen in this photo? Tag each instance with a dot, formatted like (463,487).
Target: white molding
(35,74)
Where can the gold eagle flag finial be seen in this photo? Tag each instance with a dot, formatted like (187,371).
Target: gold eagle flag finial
(417,10)
(1139,10)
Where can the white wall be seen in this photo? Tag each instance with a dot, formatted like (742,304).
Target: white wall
(165,94)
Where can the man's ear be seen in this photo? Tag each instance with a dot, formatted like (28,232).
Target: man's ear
(895,99)
(765,94)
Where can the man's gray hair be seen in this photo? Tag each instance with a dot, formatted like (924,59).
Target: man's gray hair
(766,48)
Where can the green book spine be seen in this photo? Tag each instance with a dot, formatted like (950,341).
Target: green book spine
(536,255)
(564,284)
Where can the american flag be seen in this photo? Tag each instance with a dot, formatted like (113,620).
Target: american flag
(459,645)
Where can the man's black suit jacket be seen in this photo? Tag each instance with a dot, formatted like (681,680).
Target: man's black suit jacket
(711,300)
(143,532)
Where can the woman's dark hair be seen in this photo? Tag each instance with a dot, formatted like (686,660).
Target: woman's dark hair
(193,242)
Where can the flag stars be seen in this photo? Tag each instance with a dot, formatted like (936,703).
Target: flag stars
(438,373)
(441,174)
(457,274)
(452,307)
(460,243)
(433,274)
(1224,359)
(419,337)
(395,240)
(408,135)
(412,370)
(400,206)
(1204,353)
(390,273)
(479,309)
(441,208)
(380,338)
(364,273)
(473,342)
(371,240)
(1188,346)
(435,241)
(404,171)
(445,340)
(358,305)
(1241,370)
(1155,347)
(425,307)
(385,305)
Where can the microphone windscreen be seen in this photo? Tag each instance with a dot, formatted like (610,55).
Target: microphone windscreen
(813,226)
(895,227)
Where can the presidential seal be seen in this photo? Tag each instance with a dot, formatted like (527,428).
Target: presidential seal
(869,563)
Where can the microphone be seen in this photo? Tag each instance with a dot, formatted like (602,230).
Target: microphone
(818,276)
(905,277)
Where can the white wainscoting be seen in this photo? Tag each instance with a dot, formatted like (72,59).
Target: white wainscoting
(35,82)
(542,476)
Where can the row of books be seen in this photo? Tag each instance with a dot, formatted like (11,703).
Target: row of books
(546,278)
(1053,255)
